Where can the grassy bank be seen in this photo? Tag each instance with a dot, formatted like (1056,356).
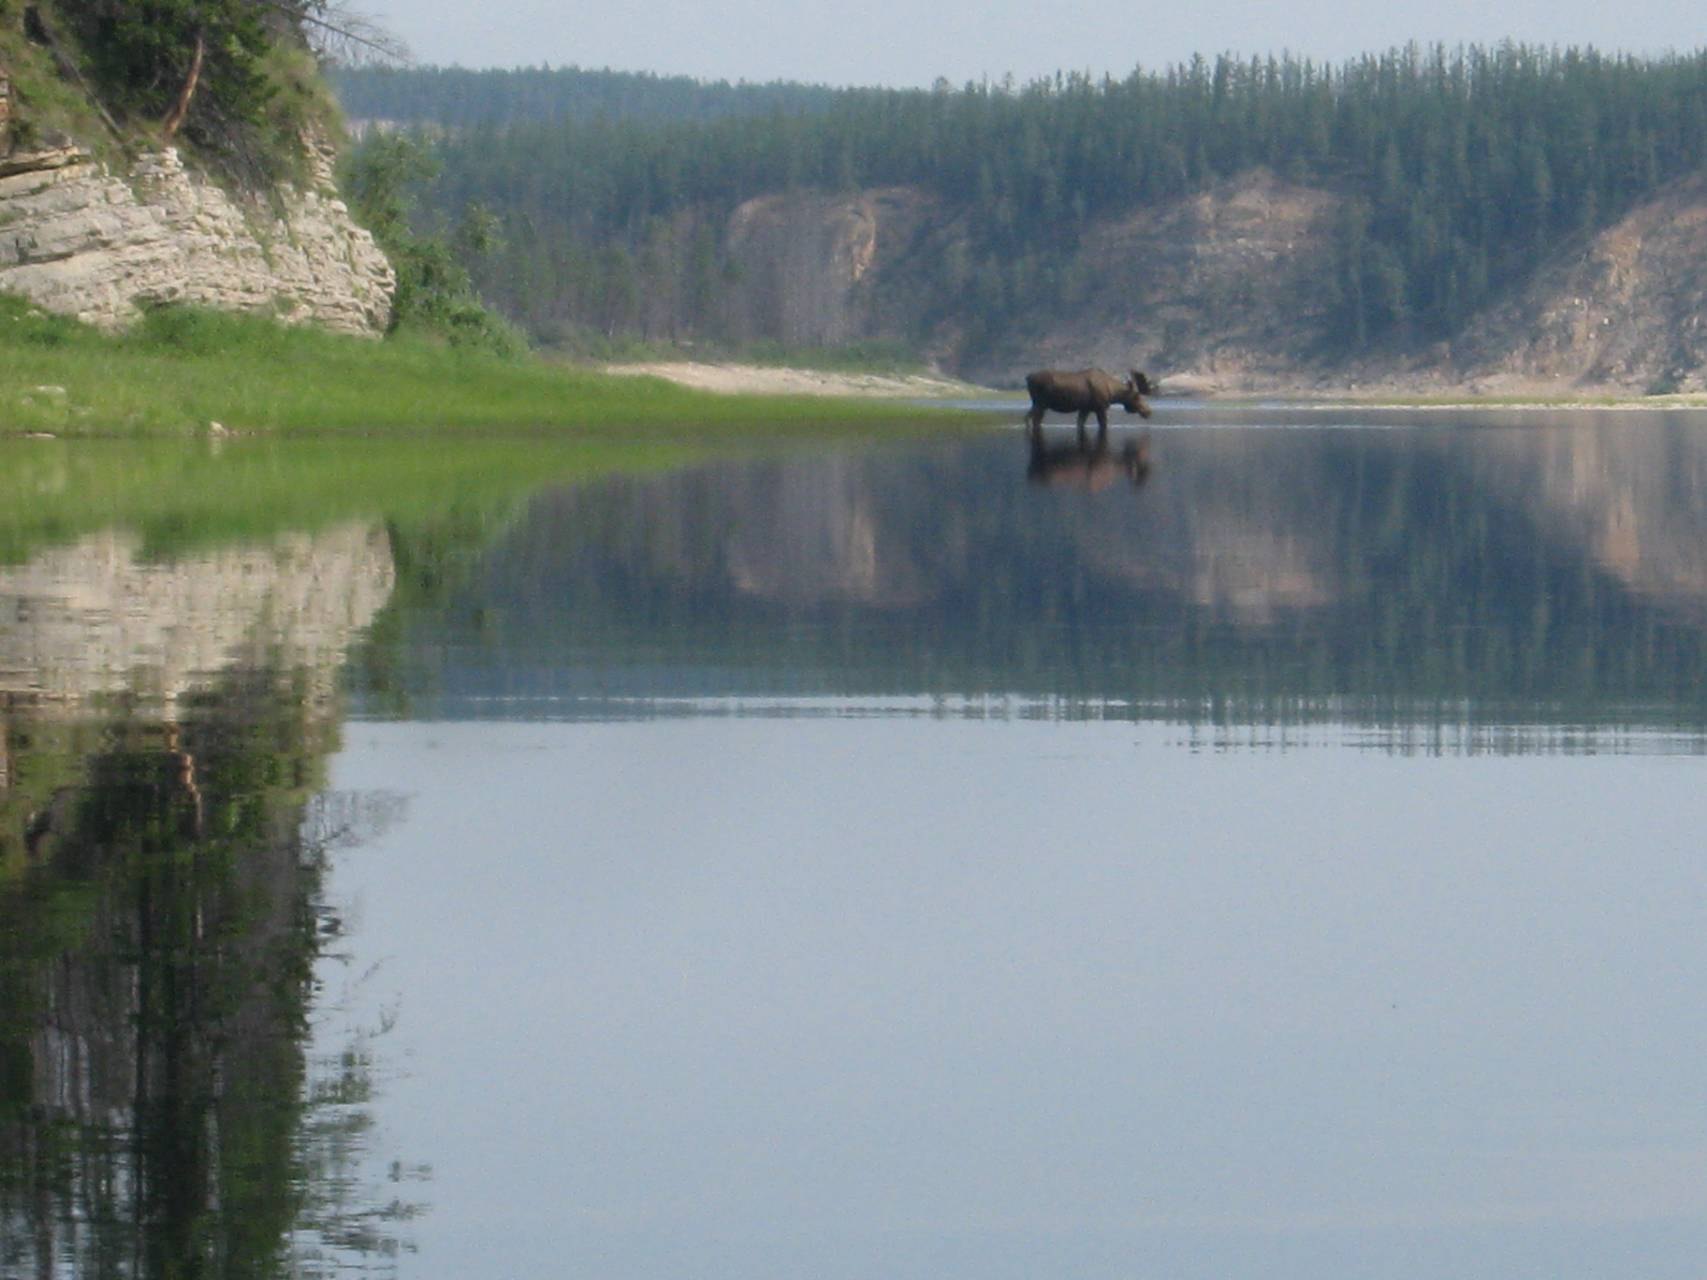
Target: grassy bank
(181,369)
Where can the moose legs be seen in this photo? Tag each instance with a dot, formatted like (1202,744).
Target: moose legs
(1102,425)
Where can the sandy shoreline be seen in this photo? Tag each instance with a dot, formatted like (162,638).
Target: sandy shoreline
(749,379)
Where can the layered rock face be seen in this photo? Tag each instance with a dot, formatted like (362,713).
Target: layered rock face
(83,241)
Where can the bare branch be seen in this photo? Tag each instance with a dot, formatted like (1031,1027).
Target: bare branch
(356,38)
(339,32)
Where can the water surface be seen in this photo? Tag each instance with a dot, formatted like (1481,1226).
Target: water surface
(927,859)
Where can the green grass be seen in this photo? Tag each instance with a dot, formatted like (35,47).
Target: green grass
(181,369)
(175,496)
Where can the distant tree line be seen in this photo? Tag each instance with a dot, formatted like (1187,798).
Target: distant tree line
(1460,168)
(458,98)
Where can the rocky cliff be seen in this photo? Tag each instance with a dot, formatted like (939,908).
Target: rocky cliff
(1621,310)
(1228,290)
(1221,289)
(83,240)
(806,262)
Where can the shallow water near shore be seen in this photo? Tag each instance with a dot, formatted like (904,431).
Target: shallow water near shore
(1243,852)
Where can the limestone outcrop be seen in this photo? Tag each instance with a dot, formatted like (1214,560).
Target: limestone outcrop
(82,240)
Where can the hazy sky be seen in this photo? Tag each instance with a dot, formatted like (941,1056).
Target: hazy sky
(901,42)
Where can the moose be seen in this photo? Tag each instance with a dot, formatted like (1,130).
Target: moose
(1084,392)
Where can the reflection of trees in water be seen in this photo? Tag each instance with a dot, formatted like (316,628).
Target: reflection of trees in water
(342,1214)
(155,995)
(1557,568)
(162,849)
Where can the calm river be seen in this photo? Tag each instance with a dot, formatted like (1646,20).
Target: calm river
(1278,855)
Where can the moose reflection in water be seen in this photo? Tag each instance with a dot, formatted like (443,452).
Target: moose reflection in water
(1091,467)
(1084,392)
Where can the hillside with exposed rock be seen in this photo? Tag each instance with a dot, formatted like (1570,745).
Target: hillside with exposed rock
(1512,219)
(1228,291)
(1622,310)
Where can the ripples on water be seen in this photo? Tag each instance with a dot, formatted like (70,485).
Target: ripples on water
(927,860)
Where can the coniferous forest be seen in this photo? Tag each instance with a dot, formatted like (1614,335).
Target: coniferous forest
(1459,170)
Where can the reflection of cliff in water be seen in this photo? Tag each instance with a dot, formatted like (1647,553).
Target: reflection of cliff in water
(1631,499)
(919,532)
(91,618)
(1554,572)
(162,842)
